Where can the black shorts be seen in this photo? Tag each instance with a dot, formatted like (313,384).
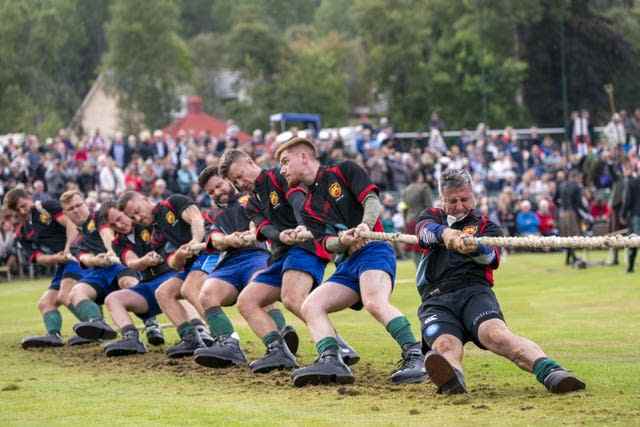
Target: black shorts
(458,313)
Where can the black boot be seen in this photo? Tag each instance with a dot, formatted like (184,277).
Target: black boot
(562,381)
(327,368)
(278,356)
(49,340)
(411,367)
(224,352)
(76,340)
(349,356)
(186,347)
(448,379)
(95,329)
(153,332)
(129,345)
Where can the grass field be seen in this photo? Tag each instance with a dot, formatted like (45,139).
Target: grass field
(589,320)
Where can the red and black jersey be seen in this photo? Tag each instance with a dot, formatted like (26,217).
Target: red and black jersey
(24,237)
(232,218)
(46,234)
(140,243)
(90,240)
(441,270)
(334,202)
(168,224)
(269,206)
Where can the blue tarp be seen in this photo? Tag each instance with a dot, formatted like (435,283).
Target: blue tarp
(308,119)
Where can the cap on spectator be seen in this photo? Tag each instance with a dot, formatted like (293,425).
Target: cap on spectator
(293,142)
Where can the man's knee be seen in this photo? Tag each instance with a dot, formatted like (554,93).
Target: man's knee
(374,306)
(168,291)
(494,334)
(47,302)
(293,300)
(311,309)
(246,303)
(78,294)
(446,344)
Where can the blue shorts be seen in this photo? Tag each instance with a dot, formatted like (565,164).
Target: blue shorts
(68,270)
(147,290)
(295,259)
(105,279)
(373,256)
(239,269)
(203,262)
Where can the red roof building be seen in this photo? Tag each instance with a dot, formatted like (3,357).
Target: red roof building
(197,121)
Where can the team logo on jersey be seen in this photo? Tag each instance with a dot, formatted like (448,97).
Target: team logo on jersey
(244,200)
(470,230)
(91,226)
(273,197)
(335,190)
(45,218)
(145,236)
(171,218)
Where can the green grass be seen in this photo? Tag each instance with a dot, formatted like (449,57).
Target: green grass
(589,320)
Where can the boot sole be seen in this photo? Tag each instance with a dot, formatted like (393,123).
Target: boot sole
(122,352)
(213,362)
(39,344)
(569,384)
(92,333)
(267,369)
(413,380)
(180,354)
(81,341)
(317,379)
(438,369)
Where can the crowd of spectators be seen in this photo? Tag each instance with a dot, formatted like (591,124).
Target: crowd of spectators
(516,176)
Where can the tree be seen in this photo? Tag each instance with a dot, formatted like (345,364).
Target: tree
(45,69)
(147,60)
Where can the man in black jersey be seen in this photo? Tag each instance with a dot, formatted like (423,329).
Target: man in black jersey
(46,235)
(179,228)
(104,275)
(454,279)
(238,263)
(342,202)
(295,267)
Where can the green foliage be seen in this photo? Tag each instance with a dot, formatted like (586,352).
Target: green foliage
(147,59)
(498,61)
(48,55)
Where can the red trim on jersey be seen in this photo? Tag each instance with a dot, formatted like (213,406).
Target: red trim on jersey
(309,210)
(166,203)
(274,180)
(336,171)
(364,193)
(58,216)
(260,226)
(295,190)
(321,250)
(34,256)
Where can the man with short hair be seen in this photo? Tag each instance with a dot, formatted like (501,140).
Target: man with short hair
(46,233)
(295,268)
(136,250)
(105,274)
(179,227)
(342,202)
(455,277)
(238,263)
